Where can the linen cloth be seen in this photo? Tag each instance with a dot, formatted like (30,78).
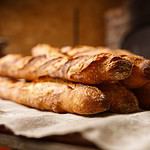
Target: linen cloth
(107,131)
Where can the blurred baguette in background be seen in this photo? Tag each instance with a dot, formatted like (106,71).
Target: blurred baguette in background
(143,95)
(121,99)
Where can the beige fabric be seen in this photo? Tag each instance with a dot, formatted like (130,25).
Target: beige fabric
(107,131)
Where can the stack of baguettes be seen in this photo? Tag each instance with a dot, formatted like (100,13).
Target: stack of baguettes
(83,80)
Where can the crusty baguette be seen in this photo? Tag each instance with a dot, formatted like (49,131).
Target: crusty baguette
(56,96)
(143,95)
(141,67)
(87,69)
(121,99)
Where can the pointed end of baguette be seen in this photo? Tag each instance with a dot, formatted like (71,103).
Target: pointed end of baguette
(92,101)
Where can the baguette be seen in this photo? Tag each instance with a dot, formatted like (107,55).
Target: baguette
(143,95)
(54,95)
(121,99)
(87,69)
(141,67)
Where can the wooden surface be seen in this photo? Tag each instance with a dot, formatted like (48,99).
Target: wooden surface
(21,143)
(64,142)
(26,23)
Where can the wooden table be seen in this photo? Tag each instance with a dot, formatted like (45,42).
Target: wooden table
(49,143)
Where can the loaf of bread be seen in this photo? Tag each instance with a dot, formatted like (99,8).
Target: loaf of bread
(141,67)
(143,95)
(84,69)
(121,99)
(56,96)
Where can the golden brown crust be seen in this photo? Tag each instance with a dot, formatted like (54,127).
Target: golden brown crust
(121,99)
(57,96)
(87,69)
(143,95)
